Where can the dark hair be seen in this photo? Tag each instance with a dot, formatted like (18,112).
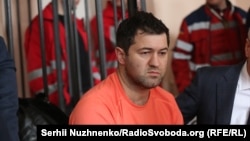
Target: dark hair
(141,20)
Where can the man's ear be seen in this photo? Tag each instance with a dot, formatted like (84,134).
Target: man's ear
(120,54)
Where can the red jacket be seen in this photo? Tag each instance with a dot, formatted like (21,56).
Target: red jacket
(207,39)
(109,35)
(34,58)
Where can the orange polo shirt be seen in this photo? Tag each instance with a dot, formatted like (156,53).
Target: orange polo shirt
(107,103)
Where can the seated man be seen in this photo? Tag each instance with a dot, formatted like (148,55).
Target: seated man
(219,95)
(131,94)
(8,96)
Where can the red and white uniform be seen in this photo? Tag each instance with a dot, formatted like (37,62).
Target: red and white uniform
(109,35)
(34,57)
(208,38)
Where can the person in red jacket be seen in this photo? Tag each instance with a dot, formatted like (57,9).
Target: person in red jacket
(34,56)
(212,35)
(109,34)
(109,31)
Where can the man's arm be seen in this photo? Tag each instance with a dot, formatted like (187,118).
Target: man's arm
(8,96)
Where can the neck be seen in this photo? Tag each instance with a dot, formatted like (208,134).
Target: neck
(138,95)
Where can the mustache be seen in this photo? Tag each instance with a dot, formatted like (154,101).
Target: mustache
(154,69)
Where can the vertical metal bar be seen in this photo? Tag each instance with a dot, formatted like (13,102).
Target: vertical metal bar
(43,53)
(143,5)
(115,14)
(9,27)
(20,46)
(78,66)
(101,38)
(123,9)
(73,49)
(89,40)
(68,45)
(132,7)
(29,10)
(58,55)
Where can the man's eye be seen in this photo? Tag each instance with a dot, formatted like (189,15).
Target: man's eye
(144,52)
(163,53)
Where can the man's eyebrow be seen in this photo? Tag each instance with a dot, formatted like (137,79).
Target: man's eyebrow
(150,48)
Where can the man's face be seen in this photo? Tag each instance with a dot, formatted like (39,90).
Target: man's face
(146,62)
(215,2)
(77,2)
(119,3)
